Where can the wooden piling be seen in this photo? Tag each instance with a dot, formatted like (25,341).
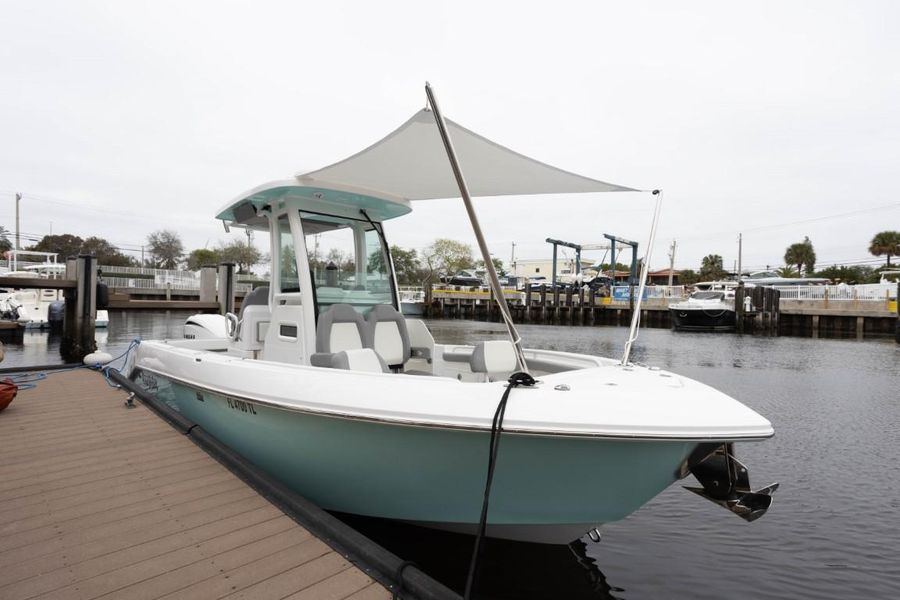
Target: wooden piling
(543,301)
(81,309)
(739,308)
(528,303)
(208,283)
(556,313)
(226,288)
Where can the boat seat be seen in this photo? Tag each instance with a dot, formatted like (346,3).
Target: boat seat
(257,297)
(363,359)
(340,328)
(390,338)
(493,358)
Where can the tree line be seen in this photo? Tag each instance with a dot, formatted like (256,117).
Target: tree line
(164,249)
(800,260)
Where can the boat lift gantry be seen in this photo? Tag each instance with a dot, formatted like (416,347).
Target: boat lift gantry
(632,274)
(556,244)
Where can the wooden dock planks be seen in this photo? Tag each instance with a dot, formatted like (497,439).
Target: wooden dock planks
(100,501)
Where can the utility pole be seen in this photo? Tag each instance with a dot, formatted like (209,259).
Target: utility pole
(671,261)
(740,244)
(512,258)
(18,197)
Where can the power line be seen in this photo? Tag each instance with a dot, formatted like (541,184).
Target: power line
(892,206)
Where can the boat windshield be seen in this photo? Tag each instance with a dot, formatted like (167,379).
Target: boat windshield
(347,262)
(708,295)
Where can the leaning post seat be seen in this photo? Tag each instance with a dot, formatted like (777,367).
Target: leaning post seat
(340,328)
(493,358)
(390,338)
(254,312)
(363,359)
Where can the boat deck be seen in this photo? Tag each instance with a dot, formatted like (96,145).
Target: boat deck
(97,500)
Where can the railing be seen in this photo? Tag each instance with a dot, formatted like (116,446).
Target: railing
(151,284)
(871,292)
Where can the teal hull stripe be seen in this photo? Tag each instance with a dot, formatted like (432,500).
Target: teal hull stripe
(431,473)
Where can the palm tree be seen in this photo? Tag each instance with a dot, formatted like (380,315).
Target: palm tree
(801,254)
(885,243)
(786,271)
(711,267)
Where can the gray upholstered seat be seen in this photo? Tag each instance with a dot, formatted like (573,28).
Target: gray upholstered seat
(493,358)
(364,359)
(257,297)
(390,338)
(340,328)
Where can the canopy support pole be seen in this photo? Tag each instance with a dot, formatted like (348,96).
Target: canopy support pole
(645,268)
(473,218)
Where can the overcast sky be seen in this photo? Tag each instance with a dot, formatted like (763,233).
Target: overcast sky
(776,119)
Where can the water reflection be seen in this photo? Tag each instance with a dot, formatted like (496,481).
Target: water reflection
(508,569)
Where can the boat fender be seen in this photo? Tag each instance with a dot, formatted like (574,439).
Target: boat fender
(97,358)
(102,296)
(8,391)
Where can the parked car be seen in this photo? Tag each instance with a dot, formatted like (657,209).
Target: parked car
(465,280)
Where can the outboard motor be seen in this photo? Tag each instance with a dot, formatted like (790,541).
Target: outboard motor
(205,327)
(727,482)
(56,312)
(16,311)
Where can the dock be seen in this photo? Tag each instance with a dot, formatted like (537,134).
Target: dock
(99,500)
(802,311)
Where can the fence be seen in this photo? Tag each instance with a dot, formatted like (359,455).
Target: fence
(162,279)
(872,292)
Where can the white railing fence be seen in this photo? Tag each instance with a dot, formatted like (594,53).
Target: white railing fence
(870,292)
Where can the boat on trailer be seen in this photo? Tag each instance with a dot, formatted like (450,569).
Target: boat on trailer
(321,382)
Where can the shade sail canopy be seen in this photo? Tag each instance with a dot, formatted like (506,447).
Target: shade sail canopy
(411,163)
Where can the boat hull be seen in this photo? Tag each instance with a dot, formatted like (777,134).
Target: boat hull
(547,488)
(702,319)
(412,309)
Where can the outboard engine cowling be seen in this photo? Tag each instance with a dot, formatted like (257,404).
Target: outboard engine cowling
(205,327)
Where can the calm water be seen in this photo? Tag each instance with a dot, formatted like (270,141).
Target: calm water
(833,530)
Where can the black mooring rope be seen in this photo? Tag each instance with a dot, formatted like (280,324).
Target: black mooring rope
(515,380)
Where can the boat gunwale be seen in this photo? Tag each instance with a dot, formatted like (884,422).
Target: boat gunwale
(448,426)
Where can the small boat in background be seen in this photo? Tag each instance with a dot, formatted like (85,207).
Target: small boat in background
(38,308)
(709,308)
(412,301)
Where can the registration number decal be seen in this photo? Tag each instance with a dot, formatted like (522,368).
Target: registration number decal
(244,407)
(149,381)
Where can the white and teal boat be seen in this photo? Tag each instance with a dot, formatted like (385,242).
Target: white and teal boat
(321,382)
